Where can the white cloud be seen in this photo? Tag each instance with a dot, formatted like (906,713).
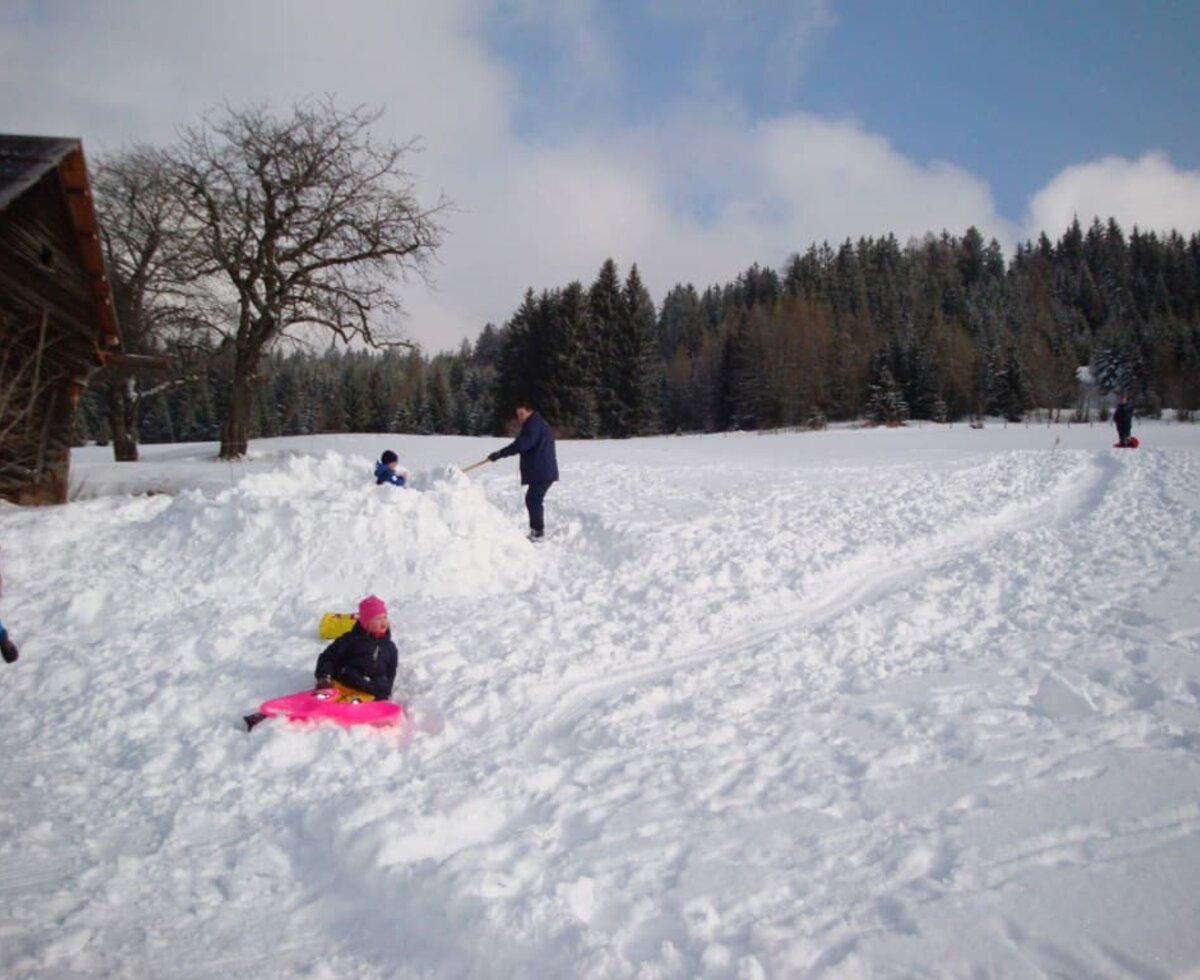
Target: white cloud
(757,193)
(697,195)
(140,68)
(1148,192)
(838,180)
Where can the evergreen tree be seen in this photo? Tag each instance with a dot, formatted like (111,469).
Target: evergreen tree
(1010,393)
(515,367)
(613,350)
(681,322)
(936,329)
(571,387)
(90,424)
(644,381)
(734,389)
(912,364)
(156,421)
(886,405)
(807,276)
(439,404)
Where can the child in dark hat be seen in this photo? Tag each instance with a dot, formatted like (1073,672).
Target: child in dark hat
(388,470)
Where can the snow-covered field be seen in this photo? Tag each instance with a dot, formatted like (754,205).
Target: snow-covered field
(858,703)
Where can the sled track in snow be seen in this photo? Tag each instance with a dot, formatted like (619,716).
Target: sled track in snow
(858,582)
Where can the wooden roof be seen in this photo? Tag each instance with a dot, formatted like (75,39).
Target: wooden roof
(25,160)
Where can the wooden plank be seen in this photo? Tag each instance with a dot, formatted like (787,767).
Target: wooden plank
(83,214)
(138,361)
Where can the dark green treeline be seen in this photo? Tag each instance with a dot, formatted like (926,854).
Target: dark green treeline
(941,328)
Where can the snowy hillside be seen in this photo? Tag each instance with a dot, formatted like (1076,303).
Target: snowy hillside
(920,702)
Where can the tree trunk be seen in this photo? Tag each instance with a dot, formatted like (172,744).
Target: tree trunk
(235,432)
(122,417)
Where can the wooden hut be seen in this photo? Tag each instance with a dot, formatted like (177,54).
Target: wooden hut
(57,321)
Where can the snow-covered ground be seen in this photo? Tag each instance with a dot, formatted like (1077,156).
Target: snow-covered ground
(885,703)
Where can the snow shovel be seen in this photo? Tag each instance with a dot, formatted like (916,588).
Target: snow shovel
(475,466)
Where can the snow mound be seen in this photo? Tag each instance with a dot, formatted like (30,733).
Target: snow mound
(312,527)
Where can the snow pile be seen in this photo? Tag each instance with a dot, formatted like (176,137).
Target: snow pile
(858,703)
(308,536)
(312,530)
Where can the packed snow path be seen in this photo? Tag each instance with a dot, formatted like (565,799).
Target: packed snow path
(923,702)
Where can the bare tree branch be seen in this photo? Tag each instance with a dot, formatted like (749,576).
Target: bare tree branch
(303,221)
(146,242)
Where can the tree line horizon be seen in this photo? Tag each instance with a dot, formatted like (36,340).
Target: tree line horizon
(257,226)
(942,329)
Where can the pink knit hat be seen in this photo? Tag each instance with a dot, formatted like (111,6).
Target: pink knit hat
(369,608)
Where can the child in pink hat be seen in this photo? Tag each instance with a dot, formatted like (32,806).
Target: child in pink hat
(361,664)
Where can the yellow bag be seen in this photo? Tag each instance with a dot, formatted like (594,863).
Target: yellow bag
(334,625)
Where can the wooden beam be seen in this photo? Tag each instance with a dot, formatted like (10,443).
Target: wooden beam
(137,361)
(73,178)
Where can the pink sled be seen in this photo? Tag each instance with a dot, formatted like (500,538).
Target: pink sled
(319,705)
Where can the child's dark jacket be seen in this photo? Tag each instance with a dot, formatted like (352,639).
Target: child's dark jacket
(361,661)
(385,474)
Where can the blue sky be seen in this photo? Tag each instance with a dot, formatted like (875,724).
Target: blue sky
(1016,90)
(1013,90)
(693,137)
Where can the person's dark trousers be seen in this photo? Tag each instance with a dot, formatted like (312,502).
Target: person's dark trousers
(534,497)
(1123,432)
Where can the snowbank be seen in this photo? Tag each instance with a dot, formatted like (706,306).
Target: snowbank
(887,703)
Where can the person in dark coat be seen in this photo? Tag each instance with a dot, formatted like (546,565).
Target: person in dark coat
(1123,419)
(8,649)
(539,464)
(361,664)
(388,470)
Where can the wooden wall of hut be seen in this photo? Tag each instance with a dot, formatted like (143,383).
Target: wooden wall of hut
(48,331)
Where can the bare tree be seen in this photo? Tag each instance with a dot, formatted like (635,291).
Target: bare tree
(301,221)
(146,239)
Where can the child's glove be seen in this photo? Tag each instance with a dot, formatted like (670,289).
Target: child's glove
(8,649)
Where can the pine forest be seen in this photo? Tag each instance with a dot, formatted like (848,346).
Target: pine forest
(943,328)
